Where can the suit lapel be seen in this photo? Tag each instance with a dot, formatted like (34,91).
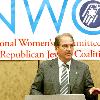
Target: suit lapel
(55,75)
(73,73)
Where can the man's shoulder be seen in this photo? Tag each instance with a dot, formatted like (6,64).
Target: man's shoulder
(49,62)
(79,63)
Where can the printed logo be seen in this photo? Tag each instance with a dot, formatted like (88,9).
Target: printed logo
(34,21)
(86,16)
(90,14)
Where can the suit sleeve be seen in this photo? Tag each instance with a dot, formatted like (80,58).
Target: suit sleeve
(88,80)
(37,86)
(88,84)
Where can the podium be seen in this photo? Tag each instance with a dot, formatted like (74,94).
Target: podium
(56,97)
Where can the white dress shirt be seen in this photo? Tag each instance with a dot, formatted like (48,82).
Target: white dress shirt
(61,68)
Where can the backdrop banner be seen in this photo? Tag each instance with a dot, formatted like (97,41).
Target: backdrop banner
(28,28)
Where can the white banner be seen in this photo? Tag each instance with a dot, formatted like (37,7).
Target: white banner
(28,28)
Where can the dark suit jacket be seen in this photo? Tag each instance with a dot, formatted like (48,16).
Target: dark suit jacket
(47,79)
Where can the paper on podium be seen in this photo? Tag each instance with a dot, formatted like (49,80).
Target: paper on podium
(56,97)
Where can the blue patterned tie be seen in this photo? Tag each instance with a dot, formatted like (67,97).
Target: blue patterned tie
(64,80)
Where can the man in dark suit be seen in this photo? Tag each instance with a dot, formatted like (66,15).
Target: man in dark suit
(48,78)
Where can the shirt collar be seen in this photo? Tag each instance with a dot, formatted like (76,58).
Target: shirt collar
(60,63)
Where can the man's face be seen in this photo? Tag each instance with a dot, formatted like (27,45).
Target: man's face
(65,49)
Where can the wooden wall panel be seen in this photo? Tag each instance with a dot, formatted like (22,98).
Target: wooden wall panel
(94,66)
(16,77)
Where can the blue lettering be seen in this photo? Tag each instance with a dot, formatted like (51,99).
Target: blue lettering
(12,25)
(34,23)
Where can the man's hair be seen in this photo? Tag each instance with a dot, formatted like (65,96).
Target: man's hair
(58,38)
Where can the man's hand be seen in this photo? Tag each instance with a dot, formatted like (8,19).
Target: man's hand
(94,91)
